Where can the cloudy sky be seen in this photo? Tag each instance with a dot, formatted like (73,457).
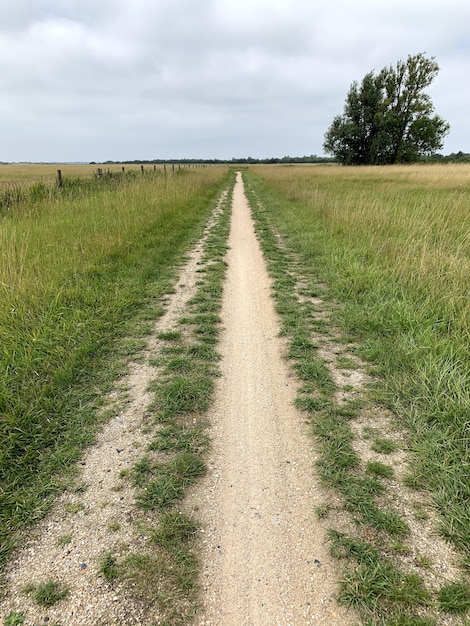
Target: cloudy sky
(84,80)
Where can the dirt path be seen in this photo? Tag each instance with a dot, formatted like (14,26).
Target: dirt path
(265,558)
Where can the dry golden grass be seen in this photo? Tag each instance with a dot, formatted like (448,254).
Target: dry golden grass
(24,174)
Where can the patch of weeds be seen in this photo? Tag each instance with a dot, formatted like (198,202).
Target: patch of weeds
(376,468)
(64,540)
(14,619)
(311,404)
(47,594)
(179,364)
(203,352)
(171,480)
(398,547)
(81,488)
(185,394)
(374,585)
(368,432)
(313,369)
(346,363)
(419,511)
(174,529)
(383,446)
(455,598)
(74,507)
(179,437)
(424,561)
(114,527)
(169,335)
(128,346)
(404,618)
(162,579)
(109,567)
(323,510)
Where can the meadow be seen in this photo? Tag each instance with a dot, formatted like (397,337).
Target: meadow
(389,249)
(385,251)
(25,174)
(80,269)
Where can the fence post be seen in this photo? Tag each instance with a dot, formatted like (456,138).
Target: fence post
(123,169)
(172,167)
(99,172)
(59,179)
(142,168)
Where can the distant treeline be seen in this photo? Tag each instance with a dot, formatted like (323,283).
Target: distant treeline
(454,157)
(236,161)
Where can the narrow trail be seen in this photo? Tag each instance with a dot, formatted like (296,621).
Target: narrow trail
(265,558)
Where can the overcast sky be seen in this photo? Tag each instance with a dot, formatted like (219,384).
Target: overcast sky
(84,80)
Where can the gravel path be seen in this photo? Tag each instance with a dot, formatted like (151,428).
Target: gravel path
(265,558)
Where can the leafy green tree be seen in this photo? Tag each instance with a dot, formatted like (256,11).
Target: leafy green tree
(388,118)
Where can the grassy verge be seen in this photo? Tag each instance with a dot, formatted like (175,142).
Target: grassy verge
(314,208)
(77,275)
(164,573)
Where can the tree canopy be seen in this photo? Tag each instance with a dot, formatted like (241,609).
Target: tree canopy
(388,117)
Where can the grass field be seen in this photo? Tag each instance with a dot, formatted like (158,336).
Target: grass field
(384,252)
(24,174)
(389,250)
(78,271)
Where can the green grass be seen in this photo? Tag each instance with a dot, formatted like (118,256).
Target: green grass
(383,445)
(374,586)
(455,598)
(14,619)
(47,594)
(380,587)
(109,567)
(376,468)
(78,273)
(391,244)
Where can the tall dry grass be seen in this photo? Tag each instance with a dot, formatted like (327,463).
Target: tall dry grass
(393,246)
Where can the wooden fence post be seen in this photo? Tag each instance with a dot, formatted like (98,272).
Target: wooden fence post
(59,179)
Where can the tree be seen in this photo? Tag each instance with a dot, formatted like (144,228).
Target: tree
(388,118)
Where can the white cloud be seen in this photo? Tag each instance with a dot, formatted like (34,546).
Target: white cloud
(84,80)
